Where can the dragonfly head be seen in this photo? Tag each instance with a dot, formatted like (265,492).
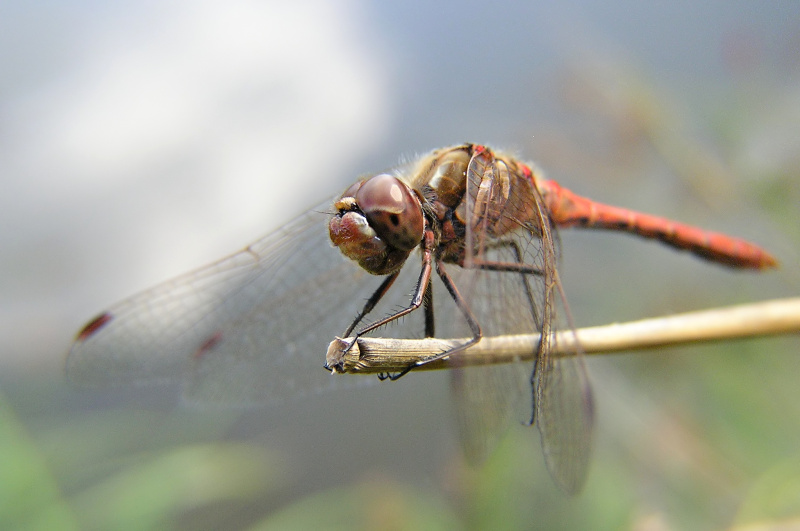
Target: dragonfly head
(378,223)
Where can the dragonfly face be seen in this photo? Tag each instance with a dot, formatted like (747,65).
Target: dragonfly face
(378,223)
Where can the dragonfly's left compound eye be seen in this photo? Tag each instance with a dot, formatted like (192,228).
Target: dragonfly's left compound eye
(392,210)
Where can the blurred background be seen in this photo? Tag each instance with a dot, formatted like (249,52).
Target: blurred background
(139,141)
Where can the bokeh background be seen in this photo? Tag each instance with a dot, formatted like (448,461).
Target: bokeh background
(141,140)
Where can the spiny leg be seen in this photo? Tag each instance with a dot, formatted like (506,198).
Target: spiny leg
(377,295)
(474,326)
(430,331)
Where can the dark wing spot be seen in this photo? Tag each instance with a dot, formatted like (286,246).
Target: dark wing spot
(93,326)
(208,345)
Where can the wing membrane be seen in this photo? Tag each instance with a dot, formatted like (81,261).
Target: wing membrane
(252,327)
(554,393)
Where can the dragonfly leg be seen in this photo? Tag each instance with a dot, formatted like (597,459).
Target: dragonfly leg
(372,301)
(376,296)
(416,301)
(427,301)
(424,293)
(518,266)
(420,295)
(430,331)
(474,326)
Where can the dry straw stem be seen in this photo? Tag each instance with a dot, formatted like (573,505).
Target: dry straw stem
(380,355)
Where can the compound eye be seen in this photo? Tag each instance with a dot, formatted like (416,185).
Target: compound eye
(392,211)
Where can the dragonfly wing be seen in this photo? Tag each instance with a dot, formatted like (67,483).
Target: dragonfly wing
(250,328)
(562,397)
(552,392)
(488,399)
(564,415)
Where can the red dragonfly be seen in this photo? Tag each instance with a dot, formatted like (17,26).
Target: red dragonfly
(252,327)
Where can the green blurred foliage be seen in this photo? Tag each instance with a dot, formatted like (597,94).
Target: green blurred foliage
(29,494)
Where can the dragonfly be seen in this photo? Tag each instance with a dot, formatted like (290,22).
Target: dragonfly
(252,327)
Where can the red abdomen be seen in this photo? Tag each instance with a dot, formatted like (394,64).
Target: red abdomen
(570,210)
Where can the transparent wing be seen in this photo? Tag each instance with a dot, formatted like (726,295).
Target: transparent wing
(563,403)
(554,393)
(250,328)
(488,399)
